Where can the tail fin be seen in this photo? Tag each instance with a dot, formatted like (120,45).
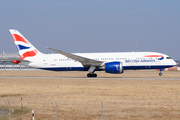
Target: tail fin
(25,48)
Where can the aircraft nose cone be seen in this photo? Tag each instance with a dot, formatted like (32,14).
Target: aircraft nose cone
(174,63)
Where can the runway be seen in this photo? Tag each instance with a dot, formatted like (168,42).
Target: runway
(158,78)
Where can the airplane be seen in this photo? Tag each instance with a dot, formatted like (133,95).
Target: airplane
(110,62)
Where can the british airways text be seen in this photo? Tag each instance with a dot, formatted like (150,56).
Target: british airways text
(130,61)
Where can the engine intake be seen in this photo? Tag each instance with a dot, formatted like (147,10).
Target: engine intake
(114,67)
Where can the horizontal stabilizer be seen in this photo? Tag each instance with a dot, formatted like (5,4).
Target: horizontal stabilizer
(12,59)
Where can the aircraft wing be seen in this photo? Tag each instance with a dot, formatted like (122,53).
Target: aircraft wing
(86,62)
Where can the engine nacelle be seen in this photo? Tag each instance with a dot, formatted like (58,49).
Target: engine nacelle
(114,67)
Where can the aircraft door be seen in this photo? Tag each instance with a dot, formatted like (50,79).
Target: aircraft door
(45,62)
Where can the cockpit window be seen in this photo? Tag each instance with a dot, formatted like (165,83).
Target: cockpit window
(168,57)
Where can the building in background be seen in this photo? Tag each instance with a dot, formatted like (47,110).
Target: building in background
(8,65)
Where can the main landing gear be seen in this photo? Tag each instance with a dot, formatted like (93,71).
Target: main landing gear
(91,75)
(91,72)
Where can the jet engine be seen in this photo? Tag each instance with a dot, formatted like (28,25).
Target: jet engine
(114,67)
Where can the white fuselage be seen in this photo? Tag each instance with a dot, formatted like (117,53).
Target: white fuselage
(129,60)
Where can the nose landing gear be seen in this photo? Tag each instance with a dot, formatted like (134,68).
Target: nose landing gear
(160,74)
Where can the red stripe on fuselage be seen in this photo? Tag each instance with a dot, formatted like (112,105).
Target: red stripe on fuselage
(153,56)
(19,38)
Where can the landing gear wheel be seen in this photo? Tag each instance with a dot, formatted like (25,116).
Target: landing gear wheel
(91,75)
(160,74)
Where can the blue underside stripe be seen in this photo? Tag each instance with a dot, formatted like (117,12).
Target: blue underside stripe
(146,67)
(124,67)
(65,69)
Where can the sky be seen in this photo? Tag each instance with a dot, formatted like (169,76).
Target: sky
(80,26)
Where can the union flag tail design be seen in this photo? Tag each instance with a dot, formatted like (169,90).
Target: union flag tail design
(25,48)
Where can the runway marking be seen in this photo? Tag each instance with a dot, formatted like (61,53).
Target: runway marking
(86,78)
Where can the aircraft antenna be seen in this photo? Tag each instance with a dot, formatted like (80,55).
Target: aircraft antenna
(137,47)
